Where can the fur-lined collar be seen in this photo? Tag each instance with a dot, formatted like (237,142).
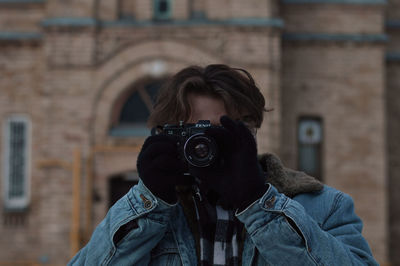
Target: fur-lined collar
(285,180)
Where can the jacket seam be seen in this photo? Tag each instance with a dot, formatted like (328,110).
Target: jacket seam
(110,255)
(335,206)
(276,213)
(129,199)
(302,236)
(307,243)
(176,242)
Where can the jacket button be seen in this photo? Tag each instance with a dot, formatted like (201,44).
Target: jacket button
(146,202)
(270,202)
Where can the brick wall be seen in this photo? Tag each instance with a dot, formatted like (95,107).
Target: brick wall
(69,80)
(343,83)
(393,132)
(393,10)
(15,18)
(344,88)
(21,79)
(392,127)
(333,18)
(394,42)
(71,8)
(226,9)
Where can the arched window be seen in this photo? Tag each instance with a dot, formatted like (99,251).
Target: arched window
(133,108)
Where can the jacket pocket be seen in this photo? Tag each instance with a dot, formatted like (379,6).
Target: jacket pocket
(124,230)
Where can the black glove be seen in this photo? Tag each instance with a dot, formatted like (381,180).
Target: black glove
(236,176)
(159,167)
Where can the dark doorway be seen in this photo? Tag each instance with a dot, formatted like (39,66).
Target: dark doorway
(120,184)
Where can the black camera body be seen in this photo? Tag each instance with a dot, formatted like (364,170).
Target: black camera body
(195,147)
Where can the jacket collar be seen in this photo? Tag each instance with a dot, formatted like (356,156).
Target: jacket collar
(285,180)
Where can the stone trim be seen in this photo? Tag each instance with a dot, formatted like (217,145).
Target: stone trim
(348,2)
(336,37)
(22,1)
(69,22)
(89,22)
(20,37)
(257,22)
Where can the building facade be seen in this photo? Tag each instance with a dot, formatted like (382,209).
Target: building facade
(78,78)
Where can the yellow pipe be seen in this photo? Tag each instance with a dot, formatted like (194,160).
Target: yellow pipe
(89,196)
(54,163)
(75,167)
(90,177)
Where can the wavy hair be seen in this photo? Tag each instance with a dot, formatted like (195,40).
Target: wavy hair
(234,86)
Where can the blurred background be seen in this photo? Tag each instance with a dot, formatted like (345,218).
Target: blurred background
(78,79)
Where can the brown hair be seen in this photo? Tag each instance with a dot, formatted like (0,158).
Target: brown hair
(235,87)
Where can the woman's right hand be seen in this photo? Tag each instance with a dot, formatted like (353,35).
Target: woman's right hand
(160,167)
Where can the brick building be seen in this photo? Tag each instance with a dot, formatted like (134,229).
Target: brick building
(77,80)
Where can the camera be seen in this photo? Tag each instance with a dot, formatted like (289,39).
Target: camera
(195,147)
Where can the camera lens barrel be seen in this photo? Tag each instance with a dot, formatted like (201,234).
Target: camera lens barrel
(200,150)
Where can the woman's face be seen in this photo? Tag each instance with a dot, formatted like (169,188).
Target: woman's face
(205,107)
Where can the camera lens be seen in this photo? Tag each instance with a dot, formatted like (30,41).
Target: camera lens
(200,150)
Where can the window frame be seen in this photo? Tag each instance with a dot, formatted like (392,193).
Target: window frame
(319,174)
(158,16)
(19,203)
(137,130)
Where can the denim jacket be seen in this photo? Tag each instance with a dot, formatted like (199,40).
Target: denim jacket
(296,222)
